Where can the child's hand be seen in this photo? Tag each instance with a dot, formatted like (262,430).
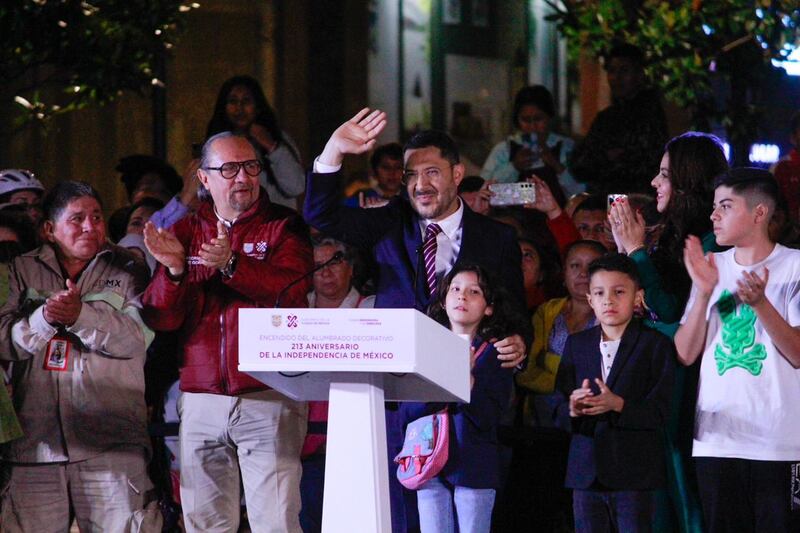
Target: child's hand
(577,399)
(604,402)
(751,287)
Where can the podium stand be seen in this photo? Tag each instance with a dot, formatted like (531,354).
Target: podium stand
(356,359)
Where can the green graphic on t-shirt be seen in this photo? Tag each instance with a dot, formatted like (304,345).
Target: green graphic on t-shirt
(738,336)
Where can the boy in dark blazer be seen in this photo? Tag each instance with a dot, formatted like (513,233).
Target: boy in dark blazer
(618,378)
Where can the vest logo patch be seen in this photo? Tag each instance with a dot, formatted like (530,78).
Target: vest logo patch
(108,283)
(255,249)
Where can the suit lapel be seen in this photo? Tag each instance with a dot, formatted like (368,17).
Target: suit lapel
(468,237)
(626,346)
(595,359)
(412,240)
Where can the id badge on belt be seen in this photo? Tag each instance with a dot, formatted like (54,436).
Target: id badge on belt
(795,488)
(56,356)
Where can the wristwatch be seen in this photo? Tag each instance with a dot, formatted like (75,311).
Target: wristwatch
(229,267)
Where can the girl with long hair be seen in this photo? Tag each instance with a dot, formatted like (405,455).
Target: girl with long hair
(241,107)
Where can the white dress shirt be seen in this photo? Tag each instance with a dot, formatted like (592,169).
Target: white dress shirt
(448,241)
(608,349)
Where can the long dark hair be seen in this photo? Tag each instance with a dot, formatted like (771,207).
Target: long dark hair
(265,115)
(503,321)
(695,159)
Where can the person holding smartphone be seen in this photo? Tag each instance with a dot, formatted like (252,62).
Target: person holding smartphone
(241,107)
(533,149)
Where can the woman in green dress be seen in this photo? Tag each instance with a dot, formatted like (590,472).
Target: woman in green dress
(684,196)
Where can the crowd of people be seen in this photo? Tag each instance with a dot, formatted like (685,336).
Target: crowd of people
(635,328)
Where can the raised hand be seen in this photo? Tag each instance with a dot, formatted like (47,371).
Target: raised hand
(64,307)
(545,201)
(604,402)
(191,184)
(627,226)
(355,136)
(578,397)
(548,156)
(702,268)
(522,159)
(261,135)
(751,287)
(165,248)
(217,252)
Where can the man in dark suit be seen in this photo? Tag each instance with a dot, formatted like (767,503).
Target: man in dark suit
(415,240)
(618,377)
(396,232)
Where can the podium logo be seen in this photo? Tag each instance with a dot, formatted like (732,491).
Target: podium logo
(276,320)
(291,321)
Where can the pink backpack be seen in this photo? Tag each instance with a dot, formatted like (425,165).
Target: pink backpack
(425,450)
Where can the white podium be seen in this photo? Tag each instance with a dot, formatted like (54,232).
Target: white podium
(356,359)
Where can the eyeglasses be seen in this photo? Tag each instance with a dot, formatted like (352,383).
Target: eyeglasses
(335,264)
(230,169)
(410,176)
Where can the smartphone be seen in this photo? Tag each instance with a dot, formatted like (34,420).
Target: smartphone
(612,198)
(512,193)
(197,150)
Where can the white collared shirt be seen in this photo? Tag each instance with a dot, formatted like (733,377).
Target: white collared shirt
(227,223)
(448,241)
(608,350)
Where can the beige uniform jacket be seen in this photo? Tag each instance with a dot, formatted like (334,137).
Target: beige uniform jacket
(98,402)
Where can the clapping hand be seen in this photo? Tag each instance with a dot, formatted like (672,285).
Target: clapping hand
(627,226)
(64,307)
(355,136)
(602,403)
(577,399)
(165,248)
(702,268)
(751,287)
(217,252)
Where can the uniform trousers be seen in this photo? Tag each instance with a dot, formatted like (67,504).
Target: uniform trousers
(107,492)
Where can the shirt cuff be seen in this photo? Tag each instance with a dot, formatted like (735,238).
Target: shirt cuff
(322,168)
(40,325)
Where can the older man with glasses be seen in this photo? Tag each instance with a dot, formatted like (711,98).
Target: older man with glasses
(238,251)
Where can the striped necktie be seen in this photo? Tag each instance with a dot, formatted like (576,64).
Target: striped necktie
(429,253)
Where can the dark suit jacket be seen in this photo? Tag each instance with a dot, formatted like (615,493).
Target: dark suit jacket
(623,451)
(474,454)
(392,233)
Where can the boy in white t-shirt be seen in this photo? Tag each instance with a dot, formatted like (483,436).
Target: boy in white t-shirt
(743,316)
